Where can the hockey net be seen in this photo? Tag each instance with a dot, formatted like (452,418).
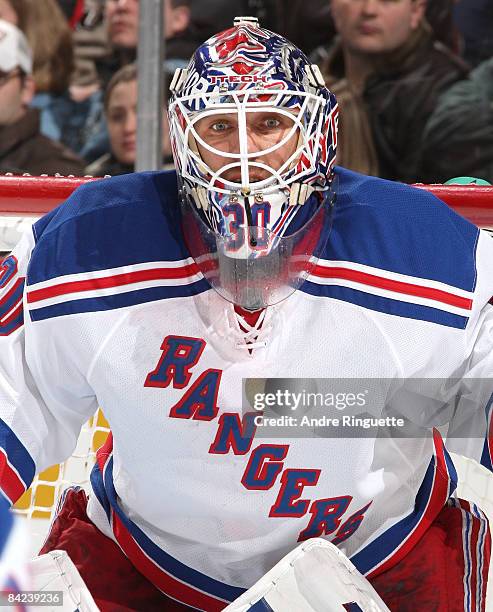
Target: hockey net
(23,199)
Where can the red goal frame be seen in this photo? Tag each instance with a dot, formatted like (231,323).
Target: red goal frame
(36,195)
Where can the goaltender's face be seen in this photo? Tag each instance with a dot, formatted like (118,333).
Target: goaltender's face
(376,26)
(264,130)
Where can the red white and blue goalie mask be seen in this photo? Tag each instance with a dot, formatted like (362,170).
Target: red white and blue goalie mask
(256,221)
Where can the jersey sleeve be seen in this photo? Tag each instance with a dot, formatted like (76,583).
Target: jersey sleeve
(44,397)
(470,432)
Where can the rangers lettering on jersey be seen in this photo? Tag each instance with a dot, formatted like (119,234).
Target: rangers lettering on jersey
(266,462)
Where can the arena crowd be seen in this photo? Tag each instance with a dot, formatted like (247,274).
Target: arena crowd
(414,80)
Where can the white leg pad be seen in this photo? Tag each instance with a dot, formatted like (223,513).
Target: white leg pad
(55,571)
(315,577)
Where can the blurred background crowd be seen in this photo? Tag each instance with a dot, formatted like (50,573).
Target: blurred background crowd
(414,79)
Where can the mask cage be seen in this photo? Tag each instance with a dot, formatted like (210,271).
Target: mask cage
(303,165)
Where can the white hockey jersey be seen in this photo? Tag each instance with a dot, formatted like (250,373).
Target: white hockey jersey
(102,305)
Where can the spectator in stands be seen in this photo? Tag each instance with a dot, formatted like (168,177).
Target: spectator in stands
(474,20)
(22,147)
(458,138)
(120,105)
(306,23)
(91,50)
(440,16)
(71,116)
(387,71)
(50,39)
(123,30)
(91,47)
(73,11)
(303,22)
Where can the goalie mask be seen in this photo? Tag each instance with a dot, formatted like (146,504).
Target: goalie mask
(254,134)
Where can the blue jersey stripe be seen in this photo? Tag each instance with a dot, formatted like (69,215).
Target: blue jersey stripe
(7,306)
(17,454)
(260,606)
(119,300)
(385,305)
(385,544)
(97,485)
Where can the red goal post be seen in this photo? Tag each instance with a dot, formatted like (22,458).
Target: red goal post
(35,195)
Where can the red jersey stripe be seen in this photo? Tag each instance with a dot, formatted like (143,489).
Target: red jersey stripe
(392,285)
(118,280)
(438,497)
(10,483)
(162,580)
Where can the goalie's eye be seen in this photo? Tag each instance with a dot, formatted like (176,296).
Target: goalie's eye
(220,126)
(270,124)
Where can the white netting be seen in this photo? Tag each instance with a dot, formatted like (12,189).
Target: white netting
(39,502)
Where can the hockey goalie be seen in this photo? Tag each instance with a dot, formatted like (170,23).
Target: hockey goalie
(153,295)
